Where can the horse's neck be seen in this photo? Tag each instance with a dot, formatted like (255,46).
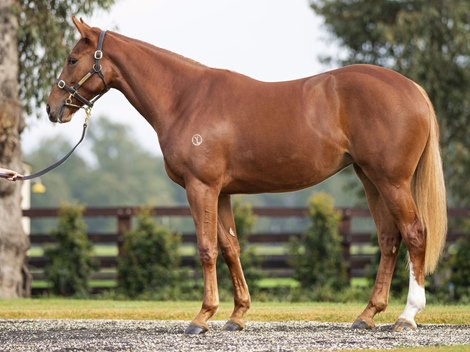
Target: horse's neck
(152,79)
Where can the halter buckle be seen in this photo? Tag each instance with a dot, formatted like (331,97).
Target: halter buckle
(98,54)
(61,84)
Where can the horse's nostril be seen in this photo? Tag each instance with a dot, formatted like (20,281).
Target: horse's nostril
(48,109)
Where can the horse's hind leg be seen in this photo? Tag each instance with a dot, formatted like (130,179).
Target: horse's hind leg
(401,205)
(389,242)
(413,235)
(230,249)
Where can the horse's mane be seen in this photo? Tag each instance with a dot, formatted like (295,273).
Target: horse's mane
(157,49)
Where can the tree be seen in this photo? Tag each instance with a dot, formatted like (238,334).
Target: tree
(132,175)
(13,241)
(34,35)
(460,270)
(428,42)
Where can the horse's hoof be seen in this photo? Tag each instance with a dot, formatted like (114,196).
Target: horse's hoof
(194,329)
(362,325)
(232,326)
(404,325)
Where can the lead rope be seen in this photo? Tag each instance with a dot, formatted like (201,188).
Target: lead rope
(61,161)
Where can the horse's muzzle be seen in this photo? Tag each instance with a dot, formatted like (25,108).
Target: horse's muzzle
(54,116)
(51,116)
(48,110)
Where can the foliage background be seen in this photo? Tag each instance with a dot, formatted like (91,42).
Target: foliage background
(426,41)
(149,265)
(71,260)
(44,39)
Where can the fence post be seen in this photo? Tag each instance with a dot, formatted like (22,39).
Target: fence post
(345,232)
(124,218)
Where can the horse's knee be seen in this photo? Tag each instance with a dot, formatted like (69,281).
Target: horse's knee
(207,255)
(230,253)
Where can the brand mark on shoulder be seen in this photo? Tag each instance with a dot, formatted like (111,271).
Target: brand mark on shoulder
(196,140)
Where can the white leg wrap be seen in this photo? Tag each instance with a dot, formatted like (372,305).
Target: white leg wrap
(416,299)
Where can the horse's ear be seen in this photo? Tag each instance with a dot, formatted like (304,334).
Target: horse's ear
(82,27)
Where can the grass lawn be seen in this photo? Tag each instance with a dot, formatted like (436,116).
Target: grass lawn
(57,308)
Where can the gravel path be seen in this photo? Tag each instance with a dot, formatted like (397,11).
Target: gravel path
(144,335)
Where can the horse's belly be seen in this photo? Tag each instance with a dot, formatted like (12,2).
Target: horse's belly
(279,177)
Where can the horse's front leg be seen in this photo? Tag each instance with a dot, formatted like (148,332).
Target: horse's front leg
(203,203)
(230,248)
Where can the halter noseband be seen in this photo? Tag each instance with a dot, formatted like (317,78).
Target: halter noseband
(96,69)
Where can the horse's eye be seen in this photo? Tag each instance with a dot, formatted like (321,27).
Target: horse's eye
(72,61)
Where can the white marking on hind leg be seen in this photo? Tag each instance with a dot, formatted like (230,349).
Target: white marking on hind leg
(416,299)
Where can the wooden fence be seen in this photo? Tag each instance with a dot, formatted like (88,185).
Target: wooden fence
(273,265)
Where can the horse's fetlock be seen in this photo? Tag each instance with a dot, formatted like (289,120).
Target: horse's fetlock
(245,304)
(379,305)
(210,308)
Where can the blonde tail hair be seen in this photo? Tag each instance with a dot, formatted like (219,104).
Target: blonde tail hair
(430,194)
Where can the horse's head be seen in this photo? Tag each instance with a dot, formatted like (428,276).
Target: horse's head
(83,78)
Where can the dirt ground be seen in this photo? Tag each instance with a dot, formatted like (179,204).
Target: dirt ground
(145,335)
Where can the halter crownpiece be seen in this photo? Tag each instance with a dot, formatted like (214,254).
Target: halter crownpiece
(96,69)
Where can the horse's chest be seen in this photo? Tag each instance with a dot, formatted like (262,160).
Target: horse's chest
(195,159)
(173,172)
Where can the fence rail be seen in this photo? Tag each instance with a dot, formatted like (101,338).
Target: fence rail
(273,265)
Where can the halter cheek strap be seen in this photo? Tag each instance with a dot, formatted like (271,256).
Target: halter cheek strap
(96,69)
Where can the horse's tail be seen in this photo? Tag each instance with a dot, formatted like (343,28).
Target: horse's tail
(430,194)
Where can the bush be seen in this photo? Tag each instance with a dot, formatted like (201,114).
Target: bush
(244,222)
(317,256)
(70,261)
(150,263)
(460,271)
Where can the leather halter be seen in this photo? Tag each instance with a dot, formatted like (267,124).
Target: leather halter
(96,69)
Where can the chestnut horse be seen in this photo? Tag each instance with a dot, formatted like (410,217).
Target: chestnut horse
(223,133)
